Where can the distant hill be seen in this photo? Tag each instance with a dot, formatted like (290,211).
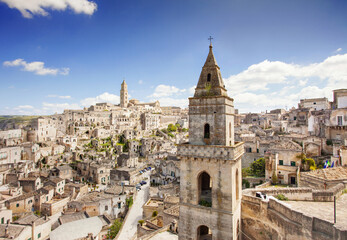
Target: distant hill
(5,120)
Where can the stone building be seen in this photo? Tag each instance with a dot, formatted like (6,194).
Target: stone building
(210,186)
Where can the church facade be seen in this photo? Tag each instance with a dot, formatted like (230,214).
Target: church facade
(210,186)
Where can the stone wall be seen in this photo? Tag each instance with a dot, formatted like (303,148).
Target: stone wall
(302,193)
(211,151)
(274,220)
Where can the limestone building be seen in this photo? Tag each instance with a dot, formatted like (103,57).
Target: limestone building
(210,181)
(124,95)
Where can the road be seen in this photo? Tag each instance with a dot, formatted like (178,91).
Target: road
(135,213)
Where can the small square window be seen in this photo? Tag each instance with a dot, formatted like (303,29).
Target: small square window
(292,163)
(281,162)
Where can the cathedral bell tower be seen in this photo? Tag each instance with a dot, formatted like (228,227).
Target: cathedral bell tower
(210,181)
(124,95)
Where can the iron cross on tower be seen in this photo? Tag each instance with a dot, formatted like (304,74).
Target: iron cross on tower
(210,38)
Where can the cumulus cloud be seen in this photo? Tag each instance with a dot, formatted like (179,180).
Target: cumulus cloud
(36,67)
(105,97)
(259,76)
(166,90)
(49,108)
(253,88)
(28,8)
(180,102)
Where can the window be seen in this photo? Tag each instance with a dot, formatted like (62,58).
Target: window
(292,163)
(205,189)
(2,220)
(339,120)
(207,131)
(257,150)
(39,235)
(249,150)
(281,162)
(294,118)
(119,205)
(209,77)
(17,205)
(106,208)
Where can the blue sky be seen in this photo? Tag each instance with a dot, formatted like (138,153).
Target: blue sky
(70,54)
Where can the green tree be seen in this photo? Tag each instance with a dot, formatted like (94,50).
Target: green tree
(114,229)
(171,128)
(257,168)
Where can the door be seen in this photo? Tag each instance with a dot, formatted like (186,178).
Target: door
(292,180)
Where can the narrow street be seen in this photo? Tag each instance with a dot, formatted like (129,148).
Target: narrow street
(135,213)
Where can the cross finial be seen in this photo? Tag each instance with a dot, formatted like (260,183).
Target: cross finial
(210,38)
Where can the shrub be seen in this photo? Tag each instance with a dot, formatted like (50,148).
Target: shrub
(281,197)
(141,222)
(114,229)
(154,214)
(205,203)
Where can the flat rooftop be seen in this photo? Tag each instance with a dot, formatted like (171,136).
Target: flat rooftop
(324,210)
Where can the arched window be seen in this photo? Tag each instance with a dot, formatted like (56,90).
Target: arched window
(205,189)
(237,184)
(207,130)
(209,77)
(204,233)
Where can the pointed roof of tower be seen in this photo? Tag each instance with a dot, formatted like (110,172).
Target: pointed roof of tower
(210,60)
(124,83)
(210,82)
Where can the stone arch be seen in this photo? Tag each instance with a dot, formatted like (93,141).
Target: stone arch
(207,133)
(204,233)
(205,189)
(209,77)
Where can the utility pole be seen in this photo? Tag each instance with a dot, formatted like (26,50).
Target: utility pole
(334,209)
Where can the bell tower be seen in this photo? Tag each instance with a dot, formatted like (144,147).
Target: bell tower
(124,95)
(210,185)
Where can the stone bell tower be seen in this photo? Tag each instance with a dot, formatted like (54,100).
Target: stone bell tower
(124,95)
(210,187)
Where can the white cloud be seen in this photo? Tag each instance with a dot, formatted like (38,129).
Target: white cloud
(105,97)
(140,81)
(25,107)
(166,90)
(28,8)
(36,67)
(49,108)
(303,82)
(167,101)
(259,76)
(57,96)
(253,89)
(338,50)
